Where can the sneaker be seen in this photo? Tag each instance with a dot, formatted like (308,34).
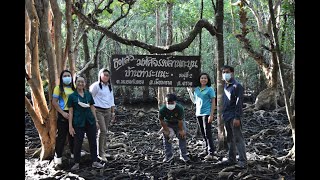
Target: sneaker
(203,153)
(57,167)
(103,158)
(97,165)
(81,154)
(226,163)
(210,157)
(57,161)
(184,158)
(75,167)
(168,159)
(241,165)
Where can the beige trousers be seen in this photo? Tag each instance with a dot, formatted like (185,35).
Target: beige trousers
(104,118)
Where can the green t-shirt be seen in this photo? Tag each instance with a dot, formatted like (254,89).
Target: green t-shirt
(171,117)
(80,114)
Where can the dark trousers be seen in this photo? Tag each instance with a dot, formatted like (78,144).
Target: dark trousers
(62,134)
(235,141)
(91,131)
(182,142)
(205,129)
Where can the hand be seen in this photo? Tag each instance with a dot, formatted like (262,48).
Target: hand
(71,131)
(210,119)
(65,115)
(113,118)
(182,134)
(166,132)
(97,124)
(236,122)
(189,89)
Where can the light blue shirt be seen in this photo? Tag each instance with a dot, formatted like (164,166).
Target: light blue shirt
(203,100)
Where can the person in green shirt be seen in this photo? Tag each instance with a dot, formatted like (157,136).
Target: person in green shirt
(171,116)
(82,119)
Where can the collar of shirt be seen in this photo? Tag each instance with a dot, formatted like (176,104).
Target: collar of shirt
(230,83)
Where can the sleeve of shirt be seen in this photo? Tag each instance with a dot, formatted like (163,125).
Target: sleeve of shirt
(91,100)
(239,101)
(93,89)
(182,113)
(112,98)
(161,112)
(56,92)
(69,103)
(212,93)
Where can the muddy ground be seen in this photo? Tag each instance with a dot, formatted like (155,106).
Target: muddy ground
(135,150)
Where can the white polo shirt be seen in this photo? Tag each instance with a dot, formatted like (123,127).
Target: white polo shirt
(103,97)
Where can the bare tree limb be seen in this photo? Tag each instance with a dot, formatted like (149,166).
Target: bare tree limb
(202,23)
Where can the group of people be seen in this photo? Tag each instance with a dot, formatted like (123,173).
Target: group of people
(81,112)
(171,116)
(90,111)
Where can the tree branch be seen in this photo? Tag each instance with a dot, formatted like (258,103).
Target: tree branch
(202,23)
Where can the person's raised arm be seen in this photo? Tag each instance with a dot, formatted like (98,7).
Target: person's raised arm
(189,89)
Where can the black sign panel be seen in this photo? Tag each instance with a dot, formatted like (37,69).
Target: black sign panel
(155,70)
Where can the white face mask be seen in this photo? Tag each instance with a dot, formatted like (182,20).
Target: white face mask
(226,76)
(171,106)
(66,80)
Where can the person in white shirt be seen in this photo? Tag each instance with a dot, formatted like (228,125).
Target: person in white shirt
(102,94)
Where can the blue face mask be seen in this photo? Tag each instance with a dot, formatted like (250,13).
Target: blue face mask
(226,76)
(66,80)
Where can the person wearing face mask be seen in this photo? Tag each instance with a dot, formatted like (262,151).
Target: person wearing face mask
(204,98)
(82,120)
(232,117)
(59,102)
(102,93)
(171,116)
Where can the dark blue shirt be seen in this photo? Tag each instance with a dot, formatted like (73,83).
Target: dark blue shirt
(232,100)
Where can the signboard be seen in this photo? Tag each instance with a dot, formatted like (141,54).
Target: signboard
(155,70)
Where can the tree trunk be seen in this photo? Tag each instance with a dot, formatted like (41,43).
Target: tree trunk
(27,41)
(35,78)
(69,45)
(161,93)
(270,70)
(289,110)
(46,40)
(145,91)
(42,118)
(220,61)
(169,36)
(57,34)
(46,140)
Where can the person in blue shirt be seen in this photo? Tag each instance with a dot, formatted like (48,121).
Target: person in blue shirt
(204,98)
(232,117)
